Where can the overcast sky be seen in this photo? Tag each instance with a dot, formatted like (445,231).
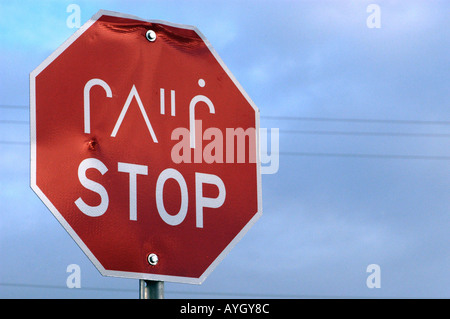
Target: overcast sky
(364,175)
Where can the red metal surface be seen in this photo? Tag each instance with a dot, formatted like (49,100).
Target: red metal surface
(115,50)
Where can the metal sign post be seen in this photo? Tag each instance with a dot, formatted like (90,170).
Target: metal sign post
(150,289)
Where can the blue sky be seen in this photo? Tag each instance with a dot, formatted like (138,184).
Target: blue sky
(364,175)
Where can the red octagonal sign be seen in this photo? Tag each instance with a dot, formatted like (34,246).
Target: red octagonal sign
(145,148)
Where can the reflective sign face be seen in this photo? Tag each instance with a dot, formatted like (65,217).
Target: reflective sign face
(145,148)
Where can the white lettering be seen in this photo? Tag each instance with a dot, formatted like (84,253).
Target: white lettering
(100,209)
(87,102)
(163,177)
(133,170)
(134,93)
(200,201)
(192,104)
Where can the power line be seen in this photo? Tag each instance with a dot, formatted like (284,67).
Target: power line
(341,155)
(14,143)
(353,120)
(41,286)
(315,132)
(14,122)
(63,287)
(198,293)
(374,156)
(17,107)
(362,133)
(305,118)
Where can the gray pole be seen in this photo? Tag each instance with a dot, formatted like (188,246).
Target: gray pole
(150,289)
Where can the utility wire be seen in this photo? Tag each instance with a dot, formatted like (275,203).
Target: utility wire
(14,143)
(304,118)
(314,132)
(374,156)
(362,133)
(17,107)
(63,287)
(342,155)
(318,132)
(135,290)
(354,120)
(14,122)
(210,293)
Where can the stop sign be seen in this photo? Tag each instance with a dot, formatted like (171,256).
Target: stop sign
(145,148)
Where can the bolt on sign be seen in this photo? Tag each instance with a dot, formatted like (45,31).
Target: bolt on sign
(145,148)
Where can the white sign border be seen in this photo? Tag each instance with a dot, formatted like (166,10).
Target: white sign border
(60,218)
